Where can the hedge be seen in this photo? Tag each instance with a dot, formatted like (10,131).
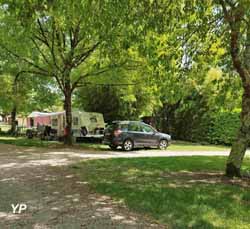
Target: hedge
(206,127)
(224,127)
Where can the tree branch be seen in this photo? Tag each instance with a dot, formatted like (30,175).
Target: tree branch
(40,51)
(99,72)
(79,59)
(108,84)
(45,41)
(26,60)
(234,19)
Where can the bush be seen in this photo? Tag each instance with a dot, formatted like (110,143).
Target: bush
(206,127)
(224,127)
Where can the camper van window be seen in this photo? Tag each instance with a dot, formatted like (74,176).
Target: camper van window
(54,122)
(75,121)
(93,119)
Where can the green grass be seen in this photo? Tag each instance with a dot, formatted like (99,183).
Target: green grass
(175,191)
(175,146)
(23,141)
(35,142)
(188,146)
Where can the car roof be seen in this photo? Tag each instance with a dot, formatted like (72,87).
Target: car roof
(127,122)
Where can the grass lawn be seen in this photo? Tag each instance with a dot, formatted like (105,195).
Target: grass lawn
(35,142)
(23,141)
(180,192)
(175,146)
(189,146)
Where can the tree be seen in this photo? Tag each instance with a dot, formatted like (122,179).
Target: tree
(22,93)
(229,20)
(191,28)
(128,96)
(237,16)
(66,40)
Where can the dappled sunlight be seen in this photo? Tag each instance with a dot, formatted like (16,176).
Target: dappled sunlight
(181,191)
(131,172)
(8,179)
(106,207)
(176,190)
(52,162)
(40,226)
(69,176)
(63,153)
(8,216)
(187,179)
(8,165)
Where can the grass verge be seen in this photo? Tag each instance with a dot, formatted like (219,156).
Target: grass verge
(23,141)
(180,192)
(175,146)
(189,146)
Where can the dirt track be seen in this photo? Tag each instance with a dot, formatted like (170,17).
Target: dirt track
(39,178)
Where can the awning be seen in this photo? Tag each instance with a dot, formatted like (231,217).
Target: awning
(44,114)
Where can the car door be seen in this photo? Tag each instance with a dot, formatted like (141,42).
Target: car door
(150,138)
(135,133)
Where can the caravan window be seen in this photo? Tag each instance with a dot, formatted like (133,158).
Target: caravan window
(31,122)
(93,119)
(63,121)
(75,121)
(54,122)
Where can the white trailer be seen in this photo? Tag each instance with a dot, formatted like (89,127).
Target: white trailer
(83,123)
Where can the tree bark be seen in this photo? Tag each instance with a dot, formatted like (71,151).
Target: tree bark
(14,109)
(242,65)
(68,114)
(239,147)
(13,120)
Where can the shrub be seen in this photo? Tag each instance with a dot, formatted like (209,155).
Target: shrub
(224,127)
(206,127)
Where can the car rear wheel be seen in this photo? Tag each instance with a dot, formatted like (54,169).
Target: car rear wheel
(128,145)
(163,144)
(113,147)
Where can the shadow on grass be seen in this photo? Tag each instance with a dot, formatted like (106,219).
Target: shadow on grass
(22,141)
(179,192)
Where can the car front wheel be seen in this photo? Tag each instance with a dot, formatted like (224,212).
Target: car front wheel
(127,145)
(163,144)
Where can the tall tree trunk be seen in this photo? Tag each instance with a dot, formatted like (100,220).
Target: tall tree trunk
(13,120)
(239,147)
(242,65)
(14,109)
(68,114)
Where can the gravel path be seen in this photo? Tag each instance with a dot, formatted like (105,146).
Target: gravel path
(55,198)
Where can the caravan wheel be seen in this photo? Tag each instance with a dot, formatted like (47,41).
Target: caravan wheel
(84,131)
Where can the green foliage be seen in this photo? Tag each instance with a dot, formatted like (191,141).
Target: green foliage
(118,102)
(223,128)
(219,127)
(168,55)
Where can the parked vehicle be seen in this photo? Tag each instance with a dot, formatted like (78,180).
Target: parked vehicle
(83,123)
(132,134)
